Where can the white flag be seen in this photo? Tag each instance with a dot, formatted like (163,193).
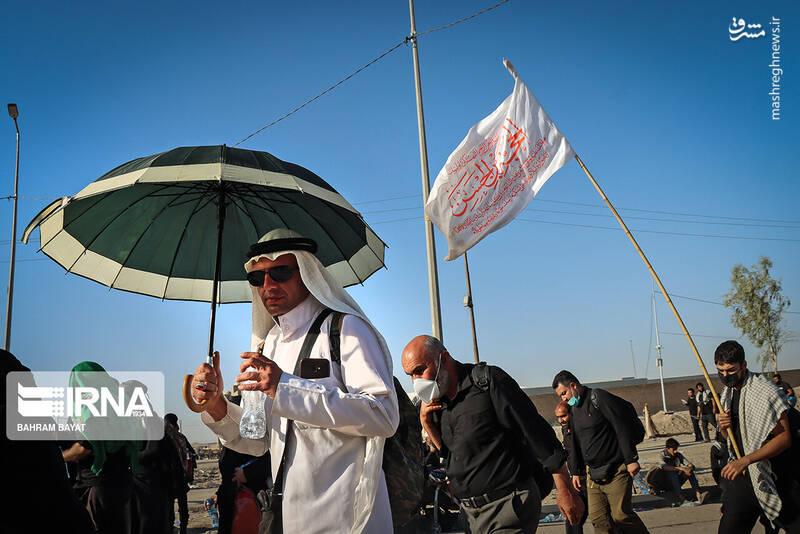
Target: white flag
(496,170)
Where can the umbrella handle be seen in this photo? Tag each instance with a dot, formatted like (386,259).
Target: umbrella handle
(197,407)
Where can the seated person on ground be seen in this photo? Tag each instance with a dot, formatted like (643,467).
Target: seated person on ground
(678,470)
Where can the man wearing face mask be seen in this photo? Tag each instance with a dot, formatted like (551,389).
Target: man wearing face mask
(487,428)
(764,480)
(605,444)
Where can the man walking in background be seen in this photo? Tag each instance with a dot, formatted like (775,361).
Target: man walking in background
(691,404)
(705,410)
(605,438)
(180,480)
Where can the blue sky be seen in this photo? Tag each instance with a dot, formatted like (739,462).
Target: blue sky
(667,112)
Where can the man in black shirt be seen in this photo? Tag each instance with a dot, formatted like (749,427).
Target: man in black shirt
(705,410)
(491,435)
(763,481)
(604,444)
(691,404)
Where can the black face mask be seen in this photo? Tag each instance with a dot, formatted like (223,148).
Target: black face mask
(731,380)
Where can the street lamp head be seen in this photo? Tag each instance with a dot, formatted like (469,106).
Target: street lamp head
(13,112)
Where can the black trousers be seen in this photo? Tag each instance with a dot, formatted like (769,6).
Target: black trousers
(578,529)
(741,510)
(696,427)
(183,510)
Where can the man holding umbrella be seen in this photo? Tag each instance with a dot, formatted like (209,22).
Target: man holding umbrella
(326,422)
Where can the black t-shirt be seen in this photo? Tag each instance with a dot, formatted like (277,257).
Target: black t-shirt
(691,405)
(601,436)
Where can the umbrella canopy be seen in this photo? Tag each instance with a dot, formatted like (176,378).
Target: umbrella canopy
(152,226)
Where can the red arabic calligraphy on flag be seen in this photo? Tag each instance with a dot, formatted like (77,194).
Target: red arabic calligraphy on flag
(496,170)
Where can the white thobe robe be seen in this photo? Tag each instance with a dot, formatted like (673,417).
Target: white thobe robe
(332,418)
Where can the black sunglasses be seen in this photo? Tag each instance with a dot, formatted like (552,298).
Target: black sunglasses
(280,274)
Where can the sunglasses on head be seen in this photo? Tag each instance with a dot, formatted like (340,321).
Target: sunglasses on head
(280,274)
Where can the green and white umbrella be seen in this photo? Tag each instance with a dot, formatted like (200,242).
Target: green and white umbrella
(170,224)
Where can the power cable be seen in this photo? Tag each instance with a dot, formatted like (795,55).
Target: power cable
(673,212)
(329,89)
(683,234)
(459,21)
(370,63)
(385,200)
(687,234)
(564,212)
(713,302)
(696,335)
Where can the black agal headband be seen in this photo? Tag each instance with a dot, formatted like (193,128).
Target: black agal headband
(278,245)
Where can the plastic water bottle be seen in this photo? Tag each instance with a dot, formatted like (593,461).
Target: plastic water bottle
(253,424)
(641,484)
(213,513)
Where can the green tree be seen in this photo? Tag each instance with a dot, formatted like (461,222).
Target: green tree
(758,305)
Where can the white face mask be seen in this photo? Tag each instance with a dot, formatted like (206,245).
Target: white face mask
(427,390)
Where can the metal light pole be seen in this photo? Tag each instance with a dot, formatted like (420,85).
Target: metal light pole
(659,361)
(433,274)
(633,359)
(13,112)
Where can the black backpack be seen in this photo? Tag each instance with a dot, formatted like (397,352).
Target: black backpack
(544,481)
(631,420)
(403,462)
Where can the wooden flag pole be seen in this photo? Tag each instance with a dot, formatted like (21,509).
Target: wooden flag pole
(468,304)
(663,292)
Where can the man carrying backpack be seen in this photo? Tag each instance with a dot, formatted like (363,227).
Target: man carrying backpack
(494,440)
(328,408)
(606,431)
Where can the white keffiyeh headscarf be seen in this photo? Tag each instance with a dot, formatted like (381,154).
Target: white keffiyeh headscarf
(760,407)
(330,293)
